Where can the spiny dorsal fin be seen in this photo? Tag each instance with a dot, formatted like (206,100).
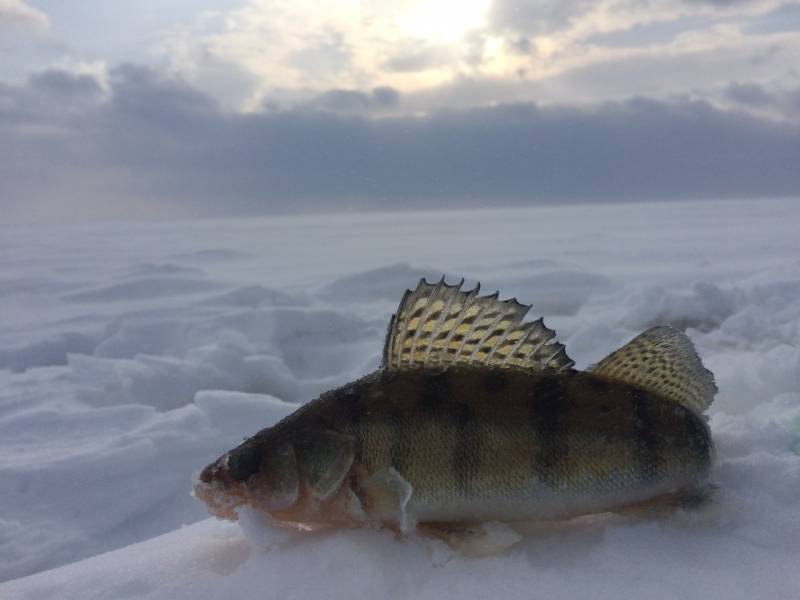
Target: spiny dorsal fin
(441,325)
(662,360)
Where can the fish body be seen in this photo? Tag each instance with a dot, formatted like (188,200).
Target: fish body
(499,432)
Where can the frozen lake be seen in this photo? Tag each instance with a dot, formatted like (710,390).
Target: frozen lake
(133,354)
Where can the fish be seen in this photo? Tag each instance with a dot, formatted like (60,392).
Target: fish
(477,416)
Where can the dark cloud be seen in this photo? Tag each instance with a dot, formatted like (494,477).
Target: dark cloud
(520,45)
(385,96)
(49,98)
(143,95)
(355,101)
(64,84)
(153,139)
(750,94)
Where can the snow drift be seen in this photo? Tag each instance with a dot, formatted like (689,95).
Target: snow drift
(132,355)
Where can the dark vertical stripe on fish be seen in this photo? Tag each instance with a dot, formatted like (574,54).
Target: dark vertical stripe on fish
(550,410)
(697,434)
(350,401)
(351,404)
(435,391)
(648,447)
(598,386)
(467,451)
(401,444)
(495,381)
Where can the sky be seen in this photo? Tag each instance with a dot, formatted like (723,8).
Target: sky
(173,108)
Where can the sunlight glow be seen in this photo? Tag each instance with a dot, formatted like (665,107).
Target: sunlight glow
(443,21)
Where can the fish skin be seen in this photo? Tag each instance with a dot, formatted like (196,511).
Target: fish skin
(475,444)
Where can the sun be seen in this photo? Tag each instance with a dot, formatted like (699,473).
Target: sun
(442,21)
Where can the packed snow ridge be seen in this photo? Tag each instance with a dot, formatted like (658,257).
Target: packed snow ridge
(132,355)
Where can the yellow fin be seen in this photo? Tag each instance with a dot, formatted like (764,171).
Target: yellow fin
(662,360)
(441,325)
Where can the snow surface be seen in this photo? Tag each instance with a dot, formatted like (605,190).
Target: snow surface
(132,355)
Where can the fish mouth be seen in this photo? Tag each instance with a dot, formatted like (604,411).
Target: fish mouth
(218,490)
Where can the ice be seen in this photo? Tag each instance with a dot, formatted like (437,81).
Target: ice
(376,284)
(234,412)
(45,352)
(159,269)
(704,307)
(131,355)
(146,287)
(557,291)
(253,296)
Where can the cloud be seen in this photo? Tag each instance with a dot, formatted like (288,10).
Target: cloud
(750,94)
(290,53)
(152,144)
(765,100)
(416,58)
(655,33)
(277,50)
(277,105)
(722,3)
(323,54)
(65,84)
(693,65)
(784,18)
(345,101)
(298,49)
(535,16)
(17,14)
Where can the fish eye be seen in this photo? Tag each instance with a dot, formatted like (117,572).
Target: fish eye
(244,462)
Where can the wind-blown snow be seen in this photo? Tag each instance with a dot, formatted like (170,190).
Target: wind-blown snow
(132,355)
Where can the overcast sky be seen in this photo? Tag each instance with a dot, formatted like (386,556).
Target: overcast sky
(150,108)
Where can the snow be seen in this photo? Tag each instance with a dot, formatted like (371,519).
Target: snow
(131,355)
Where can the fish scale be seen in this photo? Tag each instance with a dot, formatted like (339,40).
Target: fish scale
(545,434)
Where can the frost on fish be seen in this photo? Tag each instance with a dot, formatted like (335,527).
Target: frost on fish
(476,416)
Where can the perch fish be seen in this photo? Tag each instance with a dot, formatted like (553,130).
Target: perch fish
(476,416)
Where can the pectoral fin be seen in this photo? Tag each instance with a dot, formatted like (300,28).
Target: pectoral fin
(385,495)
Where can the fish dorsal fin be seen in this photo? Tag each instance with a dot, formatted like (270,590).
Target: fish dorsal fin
(662,360)
(440,325)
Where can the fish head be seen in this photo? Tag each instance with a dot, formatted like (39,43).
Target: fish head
(261,472)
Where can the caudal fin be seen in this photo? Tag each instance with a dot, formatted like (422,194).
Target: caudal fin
(662,360)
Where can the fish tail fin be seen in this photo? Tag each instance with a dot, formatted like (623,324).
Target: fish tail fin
(664,361)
